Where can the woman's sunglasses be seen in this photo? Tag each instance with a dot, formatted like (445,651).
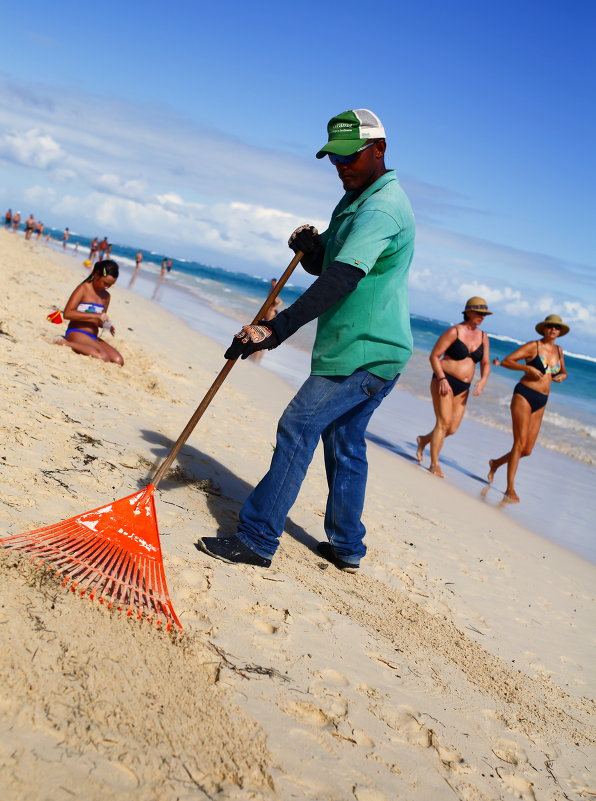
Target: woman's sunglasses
(335,159)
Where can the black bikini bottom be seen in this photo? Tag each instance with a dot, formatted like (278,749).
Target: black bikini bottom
(537,400)
(457,386)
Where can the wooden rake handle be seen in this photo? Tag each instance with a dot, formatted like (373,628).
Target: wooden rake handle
(165,466)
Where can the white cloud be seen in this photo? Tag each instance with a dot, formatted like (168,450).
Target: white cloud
(31,148)
(40,195)
(584,314)
(63,176)
(131,188)
(242,230)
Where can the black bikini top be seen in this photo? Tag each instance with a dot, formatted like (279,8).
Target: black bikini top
(458,350)
(540,363)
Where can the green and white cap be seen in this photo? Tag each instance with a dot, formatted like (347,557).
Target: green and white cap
(350,130)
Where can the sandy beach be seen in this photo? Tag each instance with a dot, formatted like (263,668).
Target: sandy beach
(459,662)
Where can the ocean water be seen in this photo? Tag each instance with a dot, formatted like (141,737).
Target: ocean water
(556,483)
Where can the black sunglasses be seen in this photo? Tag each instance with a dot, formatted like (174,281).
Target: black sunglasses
(335,159)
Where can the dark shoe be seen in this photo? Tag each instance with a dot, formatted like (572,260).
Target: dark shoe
(231,550)
(327,552)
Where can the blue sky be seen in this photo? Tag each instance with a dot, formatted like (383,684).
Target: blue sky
(192,129)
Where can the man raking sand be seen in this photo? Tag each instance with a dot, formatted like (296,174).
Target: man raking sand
(363,343)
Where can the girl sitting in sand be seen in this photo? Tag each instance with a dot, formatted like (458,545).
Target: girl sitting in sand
(544,363)
(87,311)
(453,359)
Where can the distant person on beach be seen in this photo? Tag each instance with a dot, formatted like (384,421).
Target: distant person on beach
(164,268)
(273,310)
(29,226)
(362,344)
(453,359)
(93,250)
(8,218)
(65,237)
(137,270)
(543,363)
(102,248)
(39,229)
(16,221)
(87,312)
(169,264)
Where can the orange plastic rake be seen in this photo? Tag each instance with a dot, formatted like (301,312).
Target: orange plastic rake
(113,553)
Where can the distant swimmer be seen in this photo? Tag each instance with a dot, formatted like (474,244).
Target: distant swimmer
(544,363)
(87,312)
(453,359)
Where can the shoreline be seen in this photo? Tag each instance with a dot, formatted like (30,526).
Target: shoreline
(456,664)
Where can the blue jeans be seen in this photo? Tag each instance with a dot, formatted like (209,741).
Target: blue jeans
(336,408)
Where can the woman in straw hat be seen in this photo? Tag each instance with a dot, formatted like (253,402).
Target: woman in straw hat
(453,359)
(544,363)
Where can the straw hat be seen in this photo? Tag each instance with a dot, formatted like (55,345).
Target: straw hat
(552,319)
(478,305)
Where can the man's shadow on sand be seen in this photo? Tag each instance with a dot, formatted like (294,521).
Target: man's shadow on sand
(197,466)
(409,457)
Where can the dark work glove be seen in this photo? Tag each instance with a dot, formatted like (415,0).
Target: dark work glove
(306,238)
(251,339)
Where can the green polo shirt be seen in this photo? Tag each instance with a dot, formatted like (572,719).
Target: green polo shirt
(369,327)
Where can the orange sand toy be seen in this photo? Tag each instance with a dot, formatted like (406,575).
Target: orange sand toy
(113,553)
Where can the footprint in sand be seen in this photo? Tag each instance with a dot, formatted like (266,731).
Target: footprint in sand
(266,618)
(368,794)
(305,712)
(510,752)
(405,723)
(264,627)
(387,661)
(115,775)
(450,757)
(369,692)
(409,728)
(333,678)
(194,579)
(318,618)
(518,787)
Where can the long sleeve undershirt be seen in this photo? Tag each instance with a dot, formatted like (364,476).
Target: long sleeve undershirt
(331,286)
